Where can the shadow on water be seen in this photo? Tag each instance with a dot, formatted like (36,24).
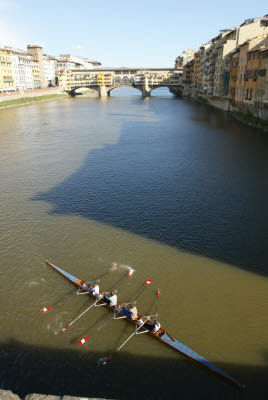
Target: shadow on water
(196,181)
(59,372)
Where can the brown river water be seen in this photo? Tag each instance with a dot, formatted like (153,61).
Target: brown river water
(173,189)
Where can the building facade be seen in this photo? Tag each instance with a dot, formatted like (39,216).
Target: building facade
(7,79)
(23,70)
(37,53)
(49,70)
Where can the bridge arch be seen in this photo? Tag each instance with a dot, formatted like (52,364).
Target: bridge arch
(74,90)
(109,90)
(171,89)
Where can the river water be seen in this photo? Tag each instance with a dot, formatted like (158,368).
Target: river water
(173,189)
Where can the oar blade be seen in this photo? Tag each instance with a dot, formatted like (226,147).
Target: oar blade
(83,340)
(45,309)
(105,362)
(64,329)
(148,282)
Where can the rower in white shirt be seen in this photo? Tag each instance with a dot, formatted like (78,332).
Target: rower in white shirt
(95,288)
(111,298)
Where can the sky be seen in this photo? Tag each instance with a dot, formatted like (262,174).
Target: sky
(141,33)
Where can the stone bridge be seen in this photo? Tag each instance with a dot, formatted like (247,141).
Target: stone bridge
(106,80)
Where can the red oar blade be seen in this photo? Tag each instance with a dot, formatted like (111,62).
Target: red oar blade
(158,292)
(83,340)
(45,309)
(105,362)
(148,282)
(64,329)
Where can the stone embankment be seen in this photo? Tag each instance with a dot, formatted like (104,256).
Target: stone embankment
(29,93)
(8,395)
(251,115)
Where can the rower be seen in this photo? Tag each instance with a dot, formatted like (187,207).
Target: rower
(95,288)
(111,298)
(132,310)
(155,326)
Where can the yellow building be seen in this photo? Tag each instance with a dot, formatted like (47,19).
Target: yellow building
(7,79)
(65,77)
(105,79)
(252,72)
(36,74)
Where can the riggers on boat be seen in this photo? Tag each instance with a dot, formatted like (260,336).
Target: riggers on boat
(161,335)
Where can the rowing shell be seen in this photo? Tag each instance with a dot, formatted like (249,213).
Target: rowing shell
(161,335)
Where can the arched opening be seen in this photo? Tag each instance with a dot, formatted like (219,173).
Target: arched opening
(161,92)
(118,79)
(84,91)
(125,91)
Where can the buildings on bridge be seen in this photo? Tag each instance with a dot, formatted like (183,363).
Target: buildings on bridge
(105,80)
(31,69)
(231,69)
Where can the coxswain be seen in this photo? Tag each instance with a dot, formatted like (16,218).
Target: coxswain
(132,310)
(155,326)
(95,288)
(111,298)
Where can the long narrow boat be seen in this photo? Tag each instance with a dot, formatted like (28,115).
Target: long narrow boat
(161,335)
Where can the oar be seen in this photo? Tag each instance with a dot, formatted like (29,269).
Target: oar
(103,275)
(111,355)
(45,309)
(120,282)
(138,295)
(71,323)
(122,279)
(158,294)
(82,341)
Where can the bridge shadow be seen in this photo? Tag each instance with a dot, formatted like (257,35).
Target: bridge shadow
(191,195)
(33,369)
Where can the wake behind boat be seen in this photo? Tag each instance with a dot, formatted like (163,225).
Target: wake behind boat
(142,322)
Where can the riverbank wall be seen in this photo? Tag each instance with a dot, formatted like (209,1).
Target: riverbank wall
(29,93)
(8,395)
(255,115)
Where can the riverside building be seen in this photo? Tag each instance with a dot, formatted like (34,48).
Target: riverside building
(225,72)
(23,70)
(7,79)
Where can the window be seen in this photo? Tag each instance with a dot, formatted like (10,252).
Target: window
(249,56)
(251,74)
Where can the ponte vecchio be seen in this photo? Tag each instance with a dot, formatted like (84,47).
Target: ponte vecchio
(106,80)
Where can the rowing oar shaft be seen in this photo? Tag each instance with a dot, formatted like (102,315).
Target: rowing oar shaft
(71,323)
(45,309)
(120,347)
(158,294)
(96,330)
(138,295)
(105,273)
(106,322)
(121,281)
